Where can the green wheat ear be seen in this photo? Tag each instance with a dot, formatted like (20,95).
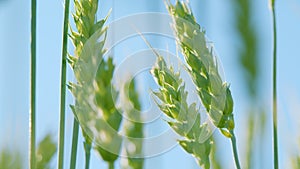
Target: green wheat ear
(93,80)
(202,66)
(133,127)
(84,18)
(45,152)
(11,159)
(184,119)
(104,94)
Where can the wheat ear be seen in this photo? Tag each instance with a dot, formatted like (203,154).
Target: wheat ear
(93,79)
(214,93)
(133,127)
(84,18)
(46,150)
(184,119)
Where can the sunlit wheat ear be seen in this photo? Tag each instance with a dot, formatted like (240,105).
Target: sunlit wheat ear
(214,93)
(183,118)
(93,91)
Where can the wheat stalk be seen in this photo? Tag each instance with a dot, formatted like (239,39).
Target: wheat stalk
(74,144)
(61,143)
(275,135)
(184,118)
(32,113)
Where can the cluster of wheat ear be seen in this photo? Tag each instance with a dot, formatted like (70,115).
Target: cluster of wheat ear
(202,66)
(95,107)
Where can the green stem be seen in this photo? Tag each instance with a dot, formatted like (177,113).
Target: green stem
(63,87)
(32,131)
(234,149)
(87,160)
(74,144)
(275,139)
(250,138)
(111,165)
(87,148)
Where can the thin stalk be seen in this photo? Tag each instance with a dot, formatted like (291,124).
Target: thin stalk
(74,144)
(87,156)
(63,87)
(250,138)
(111,165)
(275,139)
(32,113)
(87,160)
(234,149)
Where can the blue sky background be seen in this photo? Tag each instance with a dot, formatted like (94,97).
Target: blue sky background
(216,16)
